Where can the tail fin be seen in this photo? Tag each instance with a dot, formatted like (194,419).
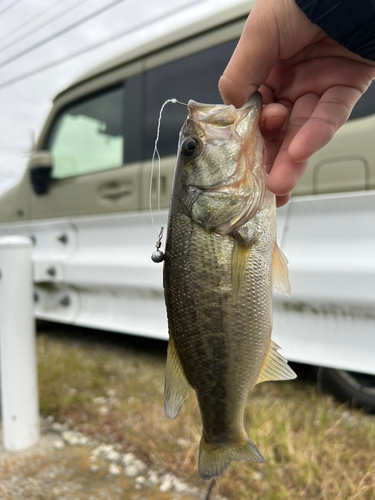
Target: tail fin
(213,461)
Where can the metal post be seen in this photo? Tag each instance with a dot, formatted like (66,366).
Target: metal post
(19,385)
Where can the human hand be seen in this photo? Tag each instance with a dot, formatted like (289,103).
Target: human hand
(309,84)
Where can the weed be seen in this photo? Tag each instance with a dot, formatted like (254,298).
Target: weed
(111,387)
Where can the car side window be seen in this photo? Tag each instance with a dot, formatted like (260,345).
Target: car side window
(88,135)
(193,77)
(366,104)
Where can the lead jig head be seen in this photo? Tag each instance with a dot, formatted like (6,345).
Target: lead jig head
(158,255)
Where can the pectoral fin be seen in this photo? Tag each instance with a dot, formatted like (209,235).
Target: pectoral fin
(280,273)
(275,366)
(176,387)
(240,256)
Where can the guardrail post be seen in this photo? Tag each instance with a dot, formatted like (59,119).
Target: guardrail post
(19,384)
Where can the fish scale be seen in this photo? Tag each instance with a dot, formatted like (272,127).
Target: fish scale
(218,274)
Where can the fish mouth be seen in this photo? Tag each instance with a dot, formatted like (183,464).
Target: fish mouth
(223,115)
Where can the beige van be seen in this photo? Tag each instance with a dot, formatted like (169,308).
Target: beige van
(84,200)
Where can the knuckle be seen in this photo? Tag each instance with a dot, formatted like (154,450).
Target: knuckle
(297,121)
(336,101)
(368,78)
(325,120)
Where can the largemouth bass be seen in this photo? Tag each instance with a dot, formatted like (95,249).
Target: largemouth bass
(221,260)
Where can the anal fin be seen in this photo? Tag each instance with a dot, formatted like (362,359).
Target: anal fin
(275,366)
(176,387)
(240,257)
(280,273)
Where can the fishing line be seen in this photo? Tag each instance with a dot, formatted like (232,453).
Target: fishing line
(158,255)
(210,489)
(217,488)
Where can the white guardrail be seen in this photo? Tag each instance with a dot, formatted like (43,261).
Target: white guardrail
(97,271)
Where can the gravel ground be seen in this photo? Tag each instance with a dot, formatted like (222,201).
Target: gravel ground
(67,465)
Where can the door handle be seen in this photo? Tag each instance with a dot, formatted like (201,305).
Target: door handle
(115,191)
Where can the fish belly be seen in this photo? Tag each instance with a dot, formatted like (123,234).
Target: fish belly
(220,341)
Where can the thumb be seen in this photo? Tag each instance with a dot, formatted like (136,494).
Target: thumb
(254,57)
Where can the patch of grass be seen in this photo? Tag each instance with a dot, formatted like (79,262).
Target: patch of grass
(314,447)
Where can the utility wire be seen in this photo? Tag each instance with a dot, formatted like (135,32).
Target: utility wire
(9,7)
(91,47)
(43,25)
(59,33)
(19,28)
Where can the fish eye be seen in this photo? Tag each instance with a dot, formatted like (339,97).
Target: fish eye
(190,146)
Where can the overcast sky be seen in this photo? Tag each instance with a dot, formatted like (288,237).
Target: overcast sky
(25,104)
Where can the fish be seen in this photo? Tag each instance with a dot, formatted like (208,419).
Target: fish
(221,263)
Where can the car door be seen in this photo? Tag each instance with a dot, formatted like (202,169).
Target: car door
(90,172)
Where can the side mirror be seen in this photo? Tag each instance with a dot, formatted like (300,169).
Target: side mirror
(40,167)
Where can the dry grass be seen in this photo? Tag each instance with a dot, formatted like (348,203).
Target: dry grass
(314,448)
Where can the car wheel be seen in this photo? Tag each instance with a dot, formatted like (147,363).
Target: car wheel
(357,388)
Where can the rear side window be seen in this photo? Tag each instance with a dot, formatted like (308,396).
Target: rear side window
(88,135)
(193,77)
(366,105)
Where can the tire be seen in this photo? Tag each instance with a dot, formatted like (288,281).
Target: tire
(353,387)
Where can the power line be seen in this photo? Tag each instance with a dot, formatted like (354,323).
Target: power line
(9,7)
(59,33)
(92,47)
(19,28)
(43,25)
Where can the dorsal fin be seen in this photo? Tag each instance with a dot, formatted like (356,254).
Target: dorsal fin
(176,387)
(280,273)
(275,366)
